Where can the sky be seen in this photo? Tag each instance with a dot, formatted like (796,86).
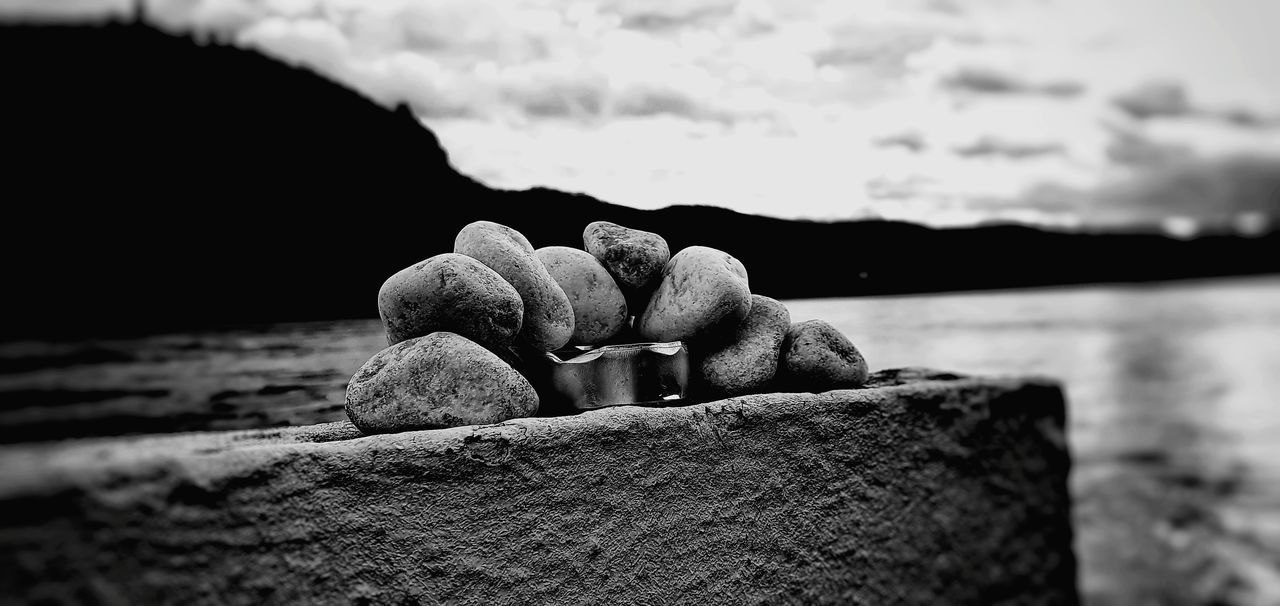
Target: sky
(1056,112)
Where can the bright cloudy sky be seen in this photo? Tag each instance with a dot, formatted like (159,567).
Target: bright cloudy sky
(1068,112)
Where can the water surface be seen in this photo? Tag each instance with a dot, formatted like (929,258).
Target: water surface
(1171,389)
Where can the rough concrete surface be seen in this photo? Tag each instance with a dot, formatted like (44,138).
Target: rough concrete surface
(921,488)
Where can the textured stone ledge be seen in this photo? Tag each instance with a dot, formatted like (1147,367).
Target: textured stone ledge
(923,488)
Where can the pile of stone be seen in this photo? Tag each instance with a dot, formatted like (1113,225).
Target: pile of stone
(458,322)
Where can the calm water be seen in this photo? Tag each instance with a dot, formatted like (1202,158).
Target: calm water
(1172,391)
(1174,418)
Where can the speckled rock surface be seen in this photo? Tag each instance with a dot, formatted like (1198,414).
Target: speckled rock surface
(924,488)
(817,357)
(450,292)
(440,380)
(548,317)
(746,360)
(702,290)
(599,308)
(634,257)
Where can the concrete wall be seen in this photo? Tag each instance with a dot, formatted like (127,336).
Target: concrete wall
(924,488)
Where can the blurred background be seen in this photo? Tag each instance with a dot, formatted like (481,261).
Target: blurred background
(1159,119)
(934,111)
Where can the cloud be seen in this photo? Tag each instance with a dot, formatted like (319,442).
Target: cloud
(1165,99)
(916,108)
(1246,118)
(1214,190)
(656,101)
(908,187)
(400,77)
(669,15)
(1161,99)
(884,48)
(1239,193)
(1134,149)
(557,95)
(36,11)
(993,82)
(910,141)
(992,146)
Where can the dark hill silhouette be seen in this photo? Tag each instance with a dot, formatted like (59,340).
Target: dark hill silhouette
(155,183)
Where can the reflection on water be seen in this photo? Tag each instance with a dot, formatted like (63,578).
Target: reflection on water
(1172,392)
(1174,422)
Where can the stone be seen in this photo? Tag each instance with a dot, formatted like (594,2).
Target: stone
(439,380)
(924,488)
(548,317)
(454,293)
(634,257)
(702,290)
(599,308)
(747,360)
(817,357)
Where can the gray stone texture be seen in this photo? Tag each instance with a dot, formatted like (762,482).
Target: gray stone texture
(450,292)
(599,308)
(818,357)
(702,291)
(548,317)
(747,359)
(924,488)
(437,381)
(635,257)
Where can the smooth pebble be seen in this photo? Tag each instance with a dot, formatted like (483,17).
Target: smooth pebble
(439,380)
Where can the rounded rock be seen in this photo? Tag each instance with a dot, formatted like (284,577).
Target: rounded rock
(454,293)
(634,257)
(702,291)
(599,308)
(747,360)
(439,380)
(817,357)
(548,317)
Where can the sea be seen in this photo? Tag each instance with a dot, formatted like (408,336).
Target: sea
(1172,389)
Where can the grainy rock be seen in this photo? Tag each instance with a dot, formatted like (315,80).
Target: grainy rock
(817,357)
(702,290)
(634,257)
(439,380)
(450,292)
(932,489)
(599,308)
(548,317)
(747,360)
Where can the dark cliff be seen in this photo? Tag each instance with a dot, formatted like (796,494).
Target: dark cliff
(153,183)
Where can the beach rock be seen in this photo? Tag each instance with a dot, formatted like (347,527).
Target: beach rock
(439,380)
(450,292)
(634,257)
(702,290)
(599,308)
(747,360)
(924,488)
(817,357)
(548,316)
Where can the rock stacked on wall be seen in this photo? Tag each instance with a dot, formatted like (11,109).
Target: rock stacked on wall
(497,294)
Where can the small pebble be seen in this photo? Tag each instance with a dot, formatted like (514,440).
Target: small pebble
(435,381)
(599,309)
(548,317)
(747,360)
(450,292)
(817,357)
(702,291)
(634,257)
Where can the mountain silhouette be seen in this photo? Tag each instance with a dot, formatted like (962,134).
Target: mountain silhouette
(157,183)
